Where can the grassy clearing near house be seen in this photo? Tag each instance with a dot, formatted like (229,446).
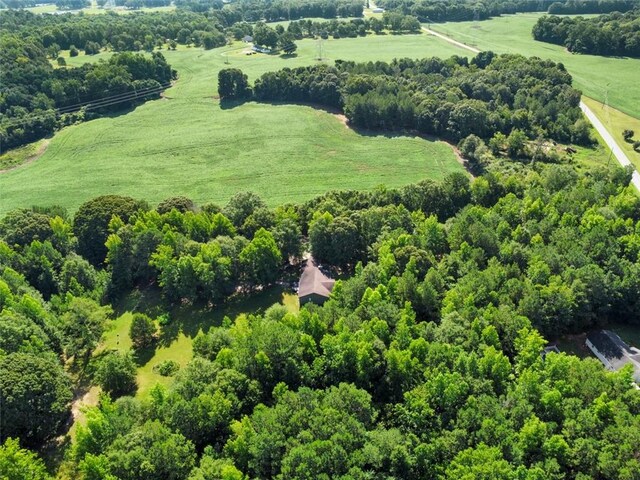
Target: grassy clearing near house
(176,338)
(601,78)
(186,144)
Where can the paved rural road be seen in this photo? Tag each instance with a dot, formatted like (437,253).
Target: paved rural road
(609,140)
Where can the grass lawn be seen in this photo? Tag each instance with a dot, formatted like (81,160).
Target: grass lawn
(616,122)
(186,144)
(18,156)
(596,76)
(176,338)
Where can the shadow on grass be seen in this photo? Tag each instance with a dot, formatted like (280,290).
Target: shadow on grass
(365,132)
(142,356)
(190,319)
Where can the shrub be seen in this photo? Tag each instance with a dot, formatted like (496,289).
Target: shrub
(166,368)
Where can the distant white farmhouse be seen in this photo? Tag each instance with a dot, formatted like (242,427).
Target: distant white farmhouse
(613,352)
(378,10)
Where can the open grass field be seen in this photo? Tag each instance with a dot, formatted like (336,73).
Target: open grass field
(176,338)
(600,78)
(187,144)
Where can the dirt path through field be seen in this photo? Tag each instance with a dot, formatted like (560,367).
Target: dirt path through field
(31,158)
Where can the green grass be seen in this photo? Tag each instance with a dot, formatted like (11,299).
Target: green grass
(176,339)
(188,145)
(601,78)
(16,157)
(615,121)
(629,333)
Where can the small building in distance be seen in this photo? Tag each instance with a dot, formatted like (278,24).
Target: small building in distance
(613,352)
(314,285)
(378,10)
(247,39)
(258,48)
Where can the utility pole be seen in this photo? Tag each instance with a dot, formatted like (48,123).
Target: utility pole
(320,50)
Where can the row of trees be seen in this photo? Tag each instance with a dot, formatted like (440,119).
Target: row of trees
(254,11)
(469,10)
(450,98)
(72,4)
(37,99)
(394,22)
(136,4)
(139,31)
(614,34)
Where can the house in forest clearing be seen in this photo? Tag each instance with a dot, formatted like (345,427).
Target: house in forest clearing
(314,285)
(613,352)
(247,39)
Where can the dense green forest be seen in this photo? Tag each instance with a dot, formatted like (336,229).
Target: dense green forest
(425,363)
(468,10)
(505,100)
(613,34)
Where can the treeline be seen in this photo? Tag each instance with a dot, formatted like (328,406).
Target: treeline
(490,97)
(140,31)
(469,10)
(426,362)
(37,99)
(279,38)
(72,4)
(572,7)
(394,22)
(22,3)
(255,11)
(614,34)
(136,4)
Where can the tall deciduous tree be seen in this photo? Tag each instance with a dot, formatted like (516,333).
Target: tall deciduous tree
(35,396)
(261,259)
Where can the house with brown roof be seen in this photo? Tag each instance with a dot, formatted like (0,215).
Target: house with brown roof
(314,285)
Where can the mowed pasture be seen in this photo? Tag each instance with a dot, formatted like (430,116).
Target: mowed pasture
(188,144)
(606,79)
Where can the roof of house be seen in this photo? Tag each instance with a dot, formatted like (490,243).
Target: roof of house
(247,38)
(615,350)
(313,281)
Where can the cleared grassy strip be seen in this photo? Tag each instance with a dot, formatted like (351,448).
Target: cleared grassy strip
(187,144)
(615,121)
(598,77)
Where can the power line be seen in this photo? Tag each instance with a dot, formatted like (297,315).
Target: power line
(102,103)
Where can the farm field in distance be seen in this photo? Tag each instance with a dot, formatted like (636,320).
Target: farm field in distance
(598,77)
(186,144)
